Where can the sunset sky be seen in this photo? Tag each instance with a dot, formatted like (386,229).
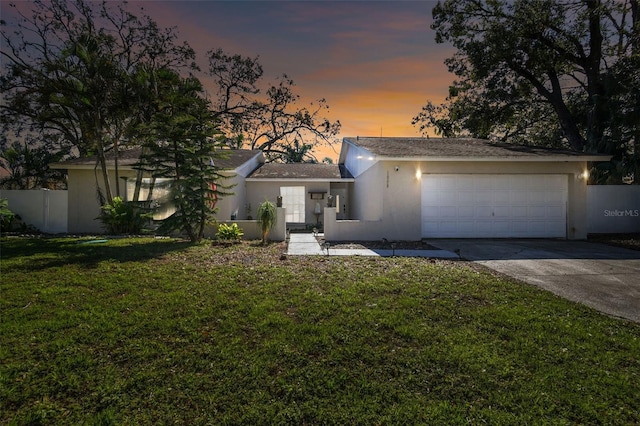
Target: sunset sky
(375,62)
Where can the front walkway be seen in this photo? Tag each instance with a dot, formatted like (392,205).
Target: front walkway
(307,244)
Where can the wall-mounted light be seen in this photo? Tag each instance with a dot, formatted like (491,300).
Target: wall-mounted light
(418,174)
(584,175)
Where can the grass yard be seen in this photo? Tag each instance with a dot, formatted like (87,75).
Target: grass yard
(144,331)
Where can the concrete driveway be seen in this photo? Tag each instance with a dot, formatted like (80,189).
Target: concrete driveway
(600,276)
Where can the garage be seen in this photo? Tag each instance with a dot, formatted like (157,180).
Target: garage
(494,205)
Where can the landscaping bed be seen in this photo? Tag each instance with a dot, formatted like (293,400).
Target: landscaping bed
(377,245)
(628,241)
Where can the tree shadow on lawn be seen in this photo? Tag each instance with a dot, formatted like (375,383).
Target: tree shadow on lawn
(43,253)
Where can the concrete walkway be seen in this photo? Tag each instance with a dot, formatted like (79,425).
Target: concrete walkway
(307,244)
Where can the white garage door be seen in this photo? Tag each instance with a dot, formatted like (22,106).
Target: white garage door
(494,206)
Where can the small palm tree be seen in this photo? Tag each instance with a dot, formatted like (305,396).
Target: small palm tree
(267,215)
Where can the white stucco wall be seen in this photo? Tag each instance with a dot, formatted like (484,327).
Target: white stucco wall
(358,159)
(84,207)
(232,203)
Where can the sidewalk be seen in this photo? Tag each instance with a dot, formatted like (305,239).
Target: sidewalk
(307,244)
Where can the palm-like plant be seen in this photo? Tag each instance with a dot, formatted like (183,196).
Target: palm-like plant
(267,216)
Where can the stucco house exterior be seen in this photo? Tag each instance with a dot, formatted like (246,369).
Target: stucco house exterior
(416,188)
(83,205)
(394,188)
(304,188)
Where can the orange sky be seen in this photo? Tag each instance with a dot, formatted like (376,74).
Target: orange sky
(375,62)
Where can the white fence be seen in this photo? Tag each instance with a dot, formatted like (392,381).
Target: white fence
(613,209)
(43,209)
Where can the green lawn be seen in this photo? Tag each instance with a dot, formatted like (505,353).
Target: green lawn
(143,331)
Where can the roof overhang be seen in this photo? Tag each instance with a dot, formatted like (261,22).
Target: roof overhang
(542,155)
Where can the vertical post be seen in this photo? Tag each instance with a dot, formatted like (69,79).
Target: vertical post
(45,210)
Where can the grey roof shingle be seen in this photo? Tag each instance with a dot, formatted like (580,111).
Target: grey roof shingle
(301,171)
(129,157)
(459,148)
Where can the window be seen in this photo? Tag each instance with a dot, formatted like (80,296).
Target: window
(161,195)
(294,202)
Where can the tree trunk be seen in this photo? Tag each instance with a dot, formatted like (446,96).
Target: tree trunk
(567,121)
(595,85)
(105,175)
(116,170)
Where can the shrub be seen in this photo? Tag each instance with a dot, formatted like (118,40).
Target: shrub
(124,217)
(6,215)
(229,232)
(267,216)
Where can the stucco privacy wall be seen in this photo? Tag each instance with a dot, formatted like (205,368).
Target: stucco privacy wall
(44,209)
(252,229)
(613,208)
(389,200)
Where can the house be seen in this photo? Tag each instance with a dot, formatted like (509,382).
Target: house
(415,188)
(83,204)
(394,188)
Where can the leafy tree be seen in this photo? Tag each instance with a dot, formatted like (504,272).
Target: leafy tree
(180,147)
(268,120)
(564,74)
(70,69)
(298,153)
(29,167)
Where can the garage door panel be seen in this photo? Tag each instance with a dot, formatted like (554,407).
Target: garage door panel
(498,206)
(465,212)
(483,212)
(556,212)
(502,211)
(519,212)
(518,198)
(502,198)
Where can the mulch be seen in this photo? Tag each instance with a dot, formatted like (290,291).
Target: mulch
(378,245)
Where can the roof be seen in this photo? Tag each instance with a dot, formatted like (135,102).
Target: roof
(442,149)
(301,171)
(129,157)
